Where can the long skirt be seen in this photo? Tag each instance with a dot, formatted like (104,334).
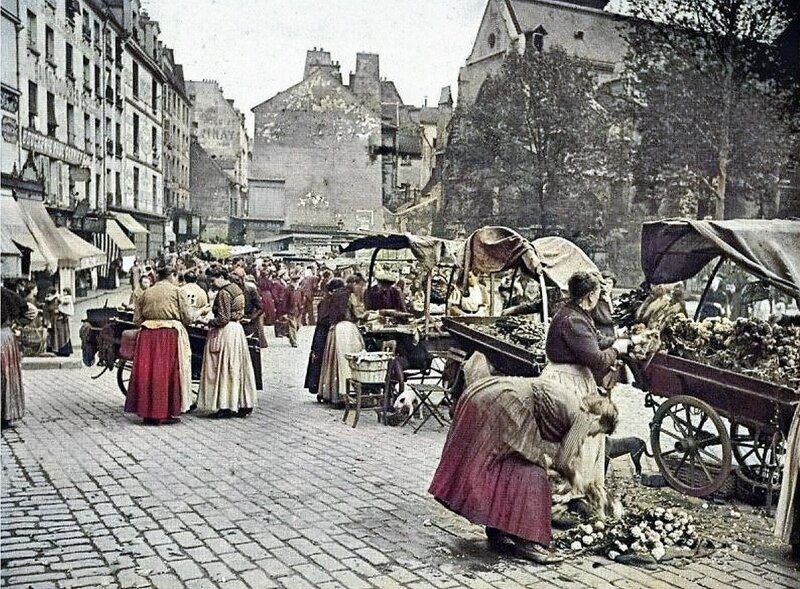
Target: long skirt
(343,339)
(227,380)
(481,479)
(314,366)
(787,516)
(580,382)
(13,396)
(154,391)
(59,341)
(268,307)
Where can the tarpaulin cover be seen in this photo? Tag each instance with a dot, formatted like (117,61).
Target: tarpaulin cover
(560,259)
(130,224)
(430,251)
(495,249)
(220,251)
(677,249)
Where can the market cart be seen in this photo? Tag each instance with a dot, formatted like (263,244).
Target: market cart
(692,445)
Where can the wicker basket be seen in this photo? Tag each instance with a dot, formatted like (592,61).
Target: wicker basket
(369,367)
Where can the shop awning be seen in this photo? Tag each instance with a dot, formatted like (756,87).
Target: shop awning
(130,224)
(7,247)
(115,244)
(89,255)
(13,225)
(44,230)
(219,251)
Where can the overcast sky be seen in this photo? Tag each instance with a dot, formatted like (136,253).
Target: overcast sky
(256,48)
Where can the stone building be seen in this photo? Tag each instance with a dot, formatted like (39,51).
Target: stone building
(214,193)
(220,130)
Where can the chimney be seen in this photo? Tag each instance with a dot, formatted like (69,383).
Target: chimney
(317,58)
(366,82)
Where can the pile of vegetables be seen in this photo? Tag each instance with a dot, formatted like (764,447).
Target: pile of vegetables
(626,306)
(749,346)
(523,330)
(649,535)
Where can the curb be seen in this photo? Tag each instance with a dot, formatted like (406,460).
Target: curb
(35,363)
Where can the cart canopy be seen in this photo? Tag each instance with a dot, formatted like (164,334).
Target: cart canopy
(559,259)
(430,251)
(677,249)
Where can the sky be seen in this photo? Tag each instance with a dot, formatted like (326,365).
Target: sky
(257,48)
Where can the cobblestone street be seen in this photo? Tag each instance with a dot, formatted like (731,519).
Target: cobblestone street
(289,497)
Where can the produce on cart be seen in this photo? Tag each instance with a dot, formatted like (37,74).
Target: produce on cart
(743,371)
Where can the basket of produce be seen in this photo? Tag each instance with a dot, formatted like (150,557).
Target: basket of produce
(369,367)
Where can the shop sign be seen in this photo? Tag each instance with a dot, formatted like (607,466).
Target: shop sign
(10,129)
(54,148)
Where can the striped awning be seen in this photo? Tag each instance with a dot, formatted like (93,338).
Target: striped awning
(89,256)
(13,225)
(115,244)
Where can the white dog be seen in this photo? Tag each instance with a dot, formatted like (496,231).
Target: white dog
(407,402)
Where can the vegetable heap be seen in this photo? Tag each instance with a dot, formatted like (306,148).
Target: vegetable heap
(750,346)
(650,534)
(626,306)
(522,330)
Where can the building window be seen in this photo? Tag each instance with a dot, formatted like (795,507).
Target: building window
(33,42)
(492,40)
(136,135)
(97,189)
(156,203)
(70,124)
(118,188)
(535,38)
(87,132)
(118,51)
(136,79)
(69,61)
(154,142)
(98,82)
(97,34)
(87,27)
(33,105)
(52,123)
(97,137)
(135,187)
(87,75)
(49,46)
(154,96)
(118,139)
(71,8)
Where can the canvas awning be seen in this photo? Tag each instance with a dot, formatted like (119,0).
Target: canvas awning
(116,245)
(430,251)
(13,225)
(677,249)
(495,249)
(130,224)
(89,255)
(560,259)
(220,251)
(46,234)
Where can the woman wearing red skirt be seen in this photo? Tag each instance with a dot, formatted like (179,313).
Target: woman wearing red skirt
(160,386)
(492,470)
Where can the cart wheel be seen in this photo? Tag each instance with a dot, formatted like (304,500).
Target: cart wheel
(759,453)
(124,375)
(691,446)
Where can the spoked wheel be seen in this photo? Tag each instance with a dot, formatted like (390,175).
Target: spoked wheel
(691,446)
(759,452)
(124,369)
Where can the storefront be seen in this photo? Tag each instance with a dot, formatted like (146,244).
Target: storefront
(120,253)
(137,233)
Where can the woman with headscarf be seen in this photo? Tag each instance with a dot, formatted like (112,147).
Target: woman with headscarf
(160,388)
(61,309)
(493,469)
(579,358)
(343,338)
(227,380)
(12,307)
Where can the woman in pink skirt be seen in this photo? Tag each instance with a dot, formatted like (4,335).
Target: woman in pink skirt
(493,466)
(12,307)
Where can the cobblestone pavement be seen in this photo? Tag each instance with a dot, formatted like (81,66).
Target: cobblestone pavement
(289,497)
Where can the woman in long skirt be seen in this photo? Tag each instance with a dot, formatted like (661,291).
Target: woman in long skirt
(323,326)
(343,338)
(12,306)
(227,381)
(160,386)
(60,339)
(493,466)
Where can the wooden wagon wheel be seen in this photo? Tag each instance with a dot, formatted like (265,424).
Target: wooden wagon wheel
(759,452)
(124,369)
(691,445)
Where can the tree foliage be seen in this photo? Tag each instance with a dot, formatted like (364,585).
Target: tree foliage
(707,99)
(535,149)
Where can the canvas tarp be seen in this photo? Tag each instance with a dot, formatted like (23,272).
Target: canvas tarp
(495,249)
(15,227)
(130,224)
(677,249)
(430,251)
(89,255)
(560,258)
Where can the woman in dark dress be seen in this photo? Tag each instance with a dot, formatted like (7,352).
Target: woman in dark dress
(321,330)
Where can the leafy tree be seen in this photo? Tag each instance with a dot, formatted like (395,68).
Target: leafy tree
(708,104)
(535,149)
